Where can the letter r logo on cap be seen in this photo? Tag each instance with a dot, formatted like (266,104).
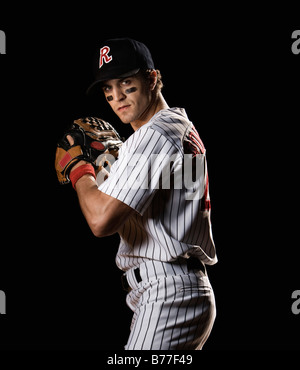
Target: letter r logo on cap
(104,57)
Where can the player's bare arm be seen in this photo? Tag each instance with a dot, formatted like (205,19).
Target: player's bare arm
(103,213)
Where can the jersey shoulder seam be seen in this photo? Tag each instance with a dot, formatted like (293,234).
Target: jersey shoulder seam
(164,133)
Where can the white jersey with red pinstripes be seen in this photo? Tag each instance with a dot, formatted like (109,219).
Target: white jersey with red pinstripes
(151,176)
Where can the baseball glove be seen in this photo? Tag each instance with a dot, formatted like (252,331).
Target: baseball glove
(92,136)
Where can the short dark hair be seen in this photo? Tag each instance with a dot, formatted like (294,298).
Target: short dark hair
(147,75)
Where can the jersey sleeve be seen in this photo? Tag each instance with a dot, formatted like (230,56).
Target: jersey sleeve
(143,166)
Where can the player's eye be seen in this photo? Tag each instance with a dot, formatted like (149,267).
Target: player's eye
(106,89)
(126,82)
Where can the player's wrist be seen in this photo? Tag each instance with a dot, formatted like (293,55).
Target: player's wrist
(79,171)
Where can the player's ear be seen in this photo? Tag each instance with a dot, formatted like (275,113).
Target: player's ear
(153,79)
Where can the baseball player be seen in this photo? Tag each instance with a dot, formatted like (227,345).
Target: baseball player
(161,215)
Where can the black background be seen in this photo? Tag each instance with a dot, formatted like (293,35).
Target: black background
(234,73)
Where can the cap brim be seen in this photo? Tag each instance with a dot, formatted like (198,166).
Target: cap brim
(111,76)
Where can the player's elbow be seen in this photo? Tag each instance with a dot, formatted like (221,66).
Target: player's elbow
(109,217)
(100,228)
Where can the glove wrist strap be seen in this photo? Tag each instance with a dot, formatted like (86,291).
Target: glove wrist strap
(86,169)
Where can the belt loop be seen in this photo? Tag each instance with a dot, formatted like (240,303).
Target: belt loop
(125,281)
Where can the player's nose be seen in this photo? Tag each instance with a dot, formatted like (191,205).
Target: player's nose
(118,94)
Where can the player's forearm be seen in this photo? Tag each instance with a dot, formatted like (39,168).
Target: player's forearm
(90,203)
(104,214)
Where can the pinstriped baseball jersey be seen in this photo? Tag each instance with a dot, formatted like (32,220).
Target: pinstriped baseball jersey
(162,174)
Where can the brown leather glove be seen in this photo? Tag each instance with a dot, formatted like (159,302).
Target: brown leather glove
(92,137)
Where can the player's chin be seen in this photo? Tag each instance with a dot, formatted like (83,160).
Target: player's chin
(125,121)
(124,118)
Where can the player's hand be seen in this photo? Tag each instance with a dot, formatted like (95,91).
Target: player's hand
(80,163)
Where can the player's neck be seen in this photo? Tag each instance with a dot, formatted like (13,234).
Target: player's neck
(157,104)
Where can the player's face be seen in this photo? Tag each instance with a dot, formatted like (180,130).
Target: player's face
(130,98)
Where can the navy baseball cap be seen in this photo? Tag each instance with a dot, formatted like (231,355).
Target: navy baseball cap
(120,58)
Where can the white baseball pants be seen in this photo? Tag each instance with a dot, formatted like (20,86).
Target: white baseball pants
(174,307)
